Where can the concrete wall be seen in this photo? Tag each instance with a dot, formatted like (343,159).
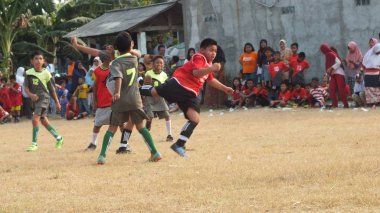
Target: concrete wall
(234,22)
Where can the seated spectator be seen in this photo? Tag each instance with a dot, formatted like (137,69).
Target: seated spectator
(248,95)
(359,91)
(283,97)
(299,97)
(261,96)
(82,94)
(235,97)
(319,94)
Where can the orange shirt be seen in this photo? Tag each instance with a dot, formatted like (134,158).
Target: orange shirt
(249,62)
(70,69)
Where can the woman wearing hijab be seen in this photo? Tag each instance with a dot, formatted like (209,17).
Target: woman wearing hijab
(78,72)
(371,65)
(334,68)
(285,57)
(26,102)
(353,61)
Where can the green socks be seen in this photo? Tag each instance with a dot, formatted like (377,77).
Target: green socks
(106,142)
(52,131)
(35,134)
(148,140)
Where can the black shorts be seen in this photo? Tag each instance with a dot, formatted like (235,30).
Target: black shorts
(173,92)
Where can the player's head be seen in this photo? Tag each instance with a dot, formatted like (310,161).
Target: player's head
(294,47)
(248,47)
(277,56)
(123,42)
(283,86)
(301,56)
(37,59)
(209,48)
(12,78)
(158,63)
(314,82)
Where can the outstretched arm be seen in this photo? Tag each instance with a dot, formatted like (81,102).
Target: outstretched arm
(219,86)
(88,50)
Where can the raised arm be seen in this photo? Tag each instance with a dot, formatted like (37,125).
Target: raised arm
(88,50)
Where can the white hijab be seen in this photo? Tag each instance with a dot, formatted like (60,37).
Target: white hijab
(371,58)
(20,79)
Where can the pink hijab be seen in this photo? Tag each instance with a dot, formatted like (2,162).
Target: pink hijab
(356,56)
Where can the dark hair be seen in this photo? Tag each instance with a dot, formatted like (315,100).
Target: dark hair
(233,85)
(35,53)
(315,79)
(141,63)
(123,42)
(175,58)
(188,53)
(268,49)
(263,41)
(4,79)
(161,46)
(12,77)
(284,83)
(248,44)
(158,57)
(208,42)
(301,55)
(246,82)
(277,53)
(71,57)
(295,44)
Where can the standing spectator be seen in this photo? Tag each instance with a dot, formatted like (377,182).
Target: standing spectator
(15,94)
(359,93)
(149,48)
(248,61)
(82,92)
(261,53)
(90,81)
(70,60)
(353,61)
(371,63)
(26,101)
(214,97)
(79,72)
(190,53)
(285,57)
(265,76)
(294,49)
(334,68)
(161,43)
(298,67)
(276,70)
(5,101)
(63,97)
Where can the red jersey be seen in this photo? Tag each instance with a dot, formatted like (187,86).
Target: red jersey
(301,94)
(185,77)
(348,90)
(285,96)
(293,58)
(70,107)
(236,95)
(262,92)
(298,66)
(103,96)
(15,94)
(274,68)
(249,91)
(4,98)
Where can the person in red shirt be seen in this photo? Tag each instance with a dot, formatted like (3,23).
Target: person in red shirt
(283,97)
(294,49)
(235,97)
(261,95)
(72,110)
(276,69)
(5,101)
(4,116)
(299,96)
(15,94)
(248,95)
(184,88)
(298,67)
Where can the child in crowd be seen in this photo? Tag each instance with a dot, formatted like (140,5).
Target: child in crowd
(298,67)
(319,94)
(4,95)
(235,97)
(156,106)
(268,58)
(283,97)
(294,49)
(82,94)
(359,91)
(261,95)
(299,97)
(141,69)
(38,85)
(308,95)
(63,97)
(173,64)
(126,100)
(184,88)
(15,94)
(248,60)
(5,117)
(248,95)
(276,69)
(72,111)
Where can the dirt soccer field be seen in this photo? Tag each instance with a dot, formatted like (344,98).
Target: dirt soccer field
(259,160)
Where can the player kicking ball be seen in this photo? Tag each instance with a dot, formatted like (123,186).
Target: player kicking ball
(184,87)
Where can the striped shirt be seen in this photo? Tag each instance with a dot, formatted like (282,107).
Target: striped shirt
(319,94)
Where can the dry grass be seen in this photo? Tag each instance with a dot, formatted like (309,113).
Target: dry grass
(247,161)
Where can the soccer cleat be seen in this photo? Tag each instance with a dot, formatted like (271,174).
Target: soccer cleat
(169,138)
(91,147)
(155,157)
(101,160)
(124,150)
(59,143)
(33,147)
(179,150)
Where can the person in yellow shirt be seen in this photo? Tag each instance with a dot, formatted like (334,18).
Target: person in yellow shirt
(81,92)
(248,60)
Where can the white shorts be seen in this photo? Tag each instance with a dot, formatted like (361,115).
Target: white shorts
(102,116)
